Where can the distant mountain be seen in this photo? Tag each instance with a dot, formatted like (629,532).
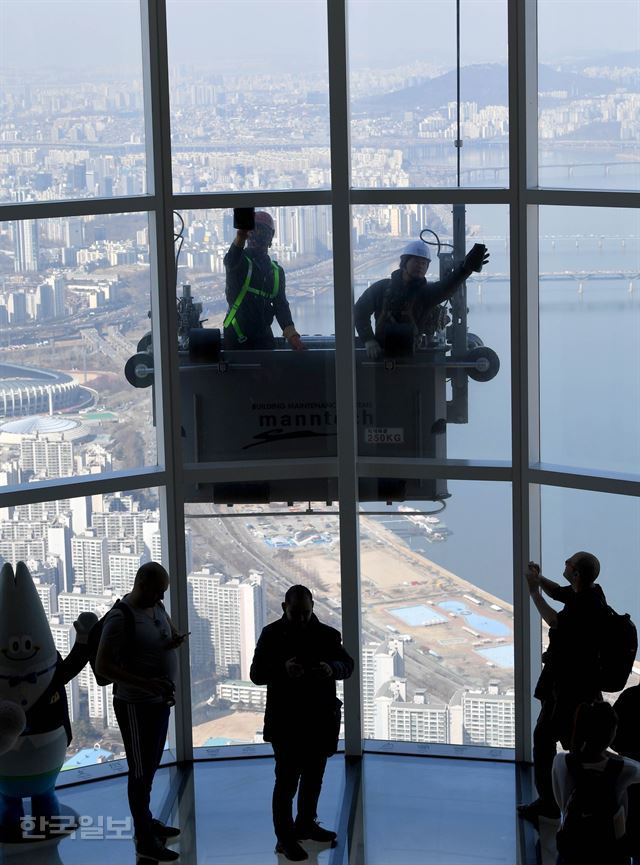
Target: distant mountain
(485,84)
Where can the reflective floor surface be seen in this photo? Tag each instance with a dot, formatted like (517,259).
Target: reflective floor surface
(388,810)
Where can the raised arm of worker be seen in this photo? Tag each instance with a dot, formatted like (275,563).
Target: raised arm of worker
(547,612)
(241,238)
(235,266)
(437,292)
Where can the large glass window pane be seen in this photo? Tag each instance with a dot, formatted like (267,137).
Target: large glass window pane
(413,399)
(242,565)
(603,524)
(264,400)
(74,301)
(83,554)
(437,619)
(405,115)
(590,337)
(589,94)
(71,100)
(249,95)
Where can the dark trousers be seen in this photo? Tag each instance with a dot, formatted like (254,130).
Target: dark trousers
(555,724)
(144,731)
(633,820)
(299,767)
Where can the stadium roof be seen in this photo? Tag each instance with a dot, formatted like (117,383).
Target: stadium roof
(39,424)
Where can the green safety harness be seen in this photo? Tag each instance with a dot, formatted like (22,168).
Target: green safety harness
(247,288)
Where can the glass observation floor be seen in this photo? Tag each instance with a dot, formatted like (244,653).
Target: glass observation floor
(388,810)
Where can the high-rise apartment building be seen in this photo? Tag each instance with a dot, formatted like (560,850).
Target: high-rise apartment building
(123,566)
(230,613)
(45,303)
(426,719)
(45,458)
(48,596)
(64,636)
(17,307)
(380,663)
(59,546)
(89,555)
(488,717)
(26,246)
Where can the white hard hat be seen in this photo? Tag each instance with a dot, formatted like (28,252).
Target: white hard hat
(417,248)
(264,218)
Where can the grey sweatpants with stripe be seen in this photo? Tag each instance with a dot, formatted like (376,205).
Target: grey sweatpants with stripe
(144,731)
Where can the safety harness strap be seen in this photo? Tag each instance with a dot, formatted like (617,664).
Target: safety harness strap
(231,317)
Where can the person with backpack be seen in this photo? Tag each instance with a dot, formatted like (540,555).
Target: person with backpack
(136,653)
(571,672)
(590,787)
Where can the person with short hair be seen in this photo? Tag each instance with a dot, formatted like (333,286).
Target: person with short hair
(142,665)
(255,291)
(407,298)
(590,787)
(300,659)
(571,666)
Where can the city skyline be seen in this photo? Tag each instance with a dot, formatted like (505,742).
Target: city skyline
(75,294)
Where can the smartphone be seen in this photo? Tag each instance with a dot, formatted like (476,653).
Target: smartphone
(244,218)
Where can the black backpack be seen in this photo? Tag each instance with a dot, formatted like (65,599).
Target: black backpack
(95,634)
(587,832)
(618,648)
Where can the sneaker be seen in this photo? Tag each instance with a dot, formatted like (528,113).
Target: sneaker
(154,849)
(314,832)
(292,850)
(161,830)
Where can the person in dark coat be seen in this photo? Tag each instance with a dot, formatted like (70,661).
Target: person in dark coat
(299,659)
(571,666)
(255,291)
(407,298)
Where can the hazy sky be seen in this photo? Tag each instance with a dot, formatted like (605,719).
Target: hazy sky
(290,34)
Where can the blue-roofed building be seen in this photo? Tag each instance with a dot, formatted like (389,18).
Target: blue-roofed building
(88,757)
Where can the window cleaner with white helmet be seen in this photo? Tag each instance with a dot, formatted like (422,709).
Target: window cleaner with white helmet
(407,298)
(255,290)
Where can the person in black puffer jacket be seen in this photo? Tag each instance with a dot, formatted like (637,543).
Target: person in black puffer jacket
(299,659)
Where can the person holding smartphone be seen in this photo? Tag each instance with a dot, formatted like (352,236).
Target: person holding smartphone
(255,289)
(570,674)
(299,659)
(140,660)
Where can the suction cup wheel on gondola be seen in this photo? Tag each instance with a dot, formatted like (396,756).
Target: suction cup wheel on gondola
(145,343)
(204,345)
(138,370)
(488,363)
(473,341)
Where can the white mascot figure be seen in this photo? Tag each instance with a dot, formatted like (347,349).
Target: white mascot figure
(34,716)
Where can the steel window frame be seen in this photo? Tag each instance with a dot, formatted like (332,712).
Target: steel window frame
(527,474)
